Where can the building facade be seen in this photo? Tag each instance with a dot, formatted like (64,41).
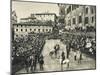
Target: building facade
(23,29)
(62,13)
(80,16)
(36,23)
(42,17)
(45,16)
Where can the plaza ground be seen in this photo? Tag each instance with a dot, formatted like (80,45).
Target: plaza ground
(53,64)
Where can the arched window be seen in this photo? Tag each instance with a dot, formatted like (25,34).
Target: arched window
(38,30)
(16,35)
(92,10)
(49,30)
(92,19)
(86,10)
(34,29)
(26,30)
(46,30)
(30,29)
(16,29)
(21,29)
(86,20)
(80,19)
(74,21)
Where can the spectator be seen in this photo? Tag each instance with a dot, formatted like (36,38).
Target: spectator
(41,62)
(62,59)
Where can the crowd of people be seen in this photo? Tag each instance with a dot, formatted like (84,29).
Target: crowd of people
(81,29)
(86,44)
(85,29)
(26,52)
(79,44)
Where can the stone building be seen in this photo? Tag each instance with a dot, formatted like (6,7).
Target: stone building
(80,16)
(61,17)
(43,17)
(36,23)
(22,29)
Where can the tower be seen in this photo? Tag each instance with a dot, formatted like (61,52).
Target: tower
(62,13)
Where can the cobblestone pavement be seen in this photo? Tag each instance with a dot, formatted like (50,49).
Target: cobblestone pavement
(53,64)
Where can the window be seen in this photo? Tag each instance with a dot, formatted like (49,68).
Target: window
(16,35)
(21,29)
(92,11)
(16,29)
(74,21)
(38,30)
(46,29)
(80,19)
(26,30)
(34,29)
(30,29)
(86,20)
(43,30)
(21,35)
(69,9)
(73,7)
(86,10)
(49,30)
(21,25)
(69,22)
(92,19)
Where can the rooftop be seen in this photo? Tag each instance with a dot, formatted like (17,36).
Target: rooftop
(44,14)
(28,18)
(34,23)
